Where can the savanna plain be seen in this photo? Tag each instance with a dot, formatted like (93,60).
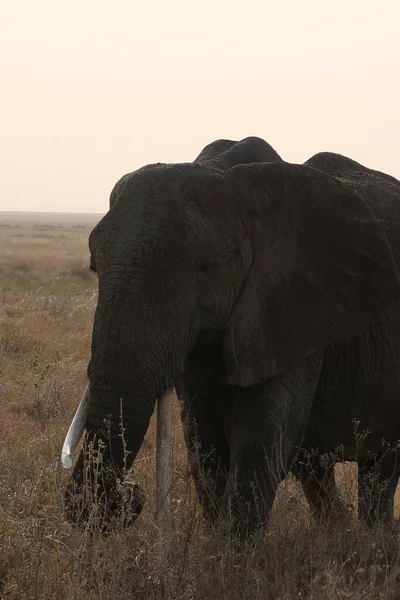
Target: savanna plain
(47,302)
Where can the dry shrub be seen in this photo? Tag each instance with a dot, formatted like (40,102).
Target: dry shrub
(46,311)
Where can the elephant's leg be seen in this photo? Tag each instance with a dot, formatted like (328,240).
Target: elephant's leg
(377,483)
(317,478)
(203,421)
(267,426)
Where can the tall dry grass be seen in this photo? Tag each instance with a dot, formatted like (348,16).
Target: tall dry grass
(47,300)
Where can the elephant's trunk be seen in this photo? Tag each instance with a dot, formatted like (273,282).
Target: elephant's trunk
(127,374)
(97,487)
(78,425)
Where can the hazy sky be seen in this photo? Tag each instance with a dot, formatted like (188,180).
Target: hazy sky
(92,89)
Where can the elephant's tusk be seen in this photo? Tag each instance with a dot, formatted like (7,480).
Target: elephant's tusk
(164,475)
(75,430)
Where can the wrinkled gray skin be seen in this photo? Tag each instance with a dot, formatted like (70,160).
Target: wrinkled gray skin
(268,294)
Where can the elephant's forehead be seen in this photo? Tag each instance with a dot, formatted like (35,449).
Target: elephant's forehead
(157,179)
(161,183)
(164,206)
(151,230)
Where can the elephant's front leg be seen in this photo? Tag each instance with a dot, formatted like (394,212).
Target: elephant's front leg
(203,418)
(317,477)
(267,426)
(377,483)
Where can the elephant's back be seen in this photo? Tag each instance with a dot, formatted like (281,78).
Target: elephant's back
(224,154)
(380,191)
(348,169)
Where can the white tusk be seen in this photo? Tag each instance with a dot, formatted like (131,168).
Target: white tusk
(75,430)
(164,475)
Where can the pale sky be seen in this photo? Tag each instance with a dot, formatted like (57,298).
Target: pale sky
(92,89)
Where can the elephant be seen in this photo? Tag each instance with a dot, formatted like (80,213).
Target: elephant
(268,295)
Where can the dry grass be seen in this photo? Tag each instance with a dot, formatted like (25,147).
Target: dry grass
(46,309)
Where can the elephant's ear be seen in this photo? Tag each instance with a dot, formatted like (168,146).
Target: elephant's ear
(322,268)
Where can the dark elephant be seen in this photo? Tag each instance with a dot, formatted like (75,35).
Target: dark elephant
(267,294)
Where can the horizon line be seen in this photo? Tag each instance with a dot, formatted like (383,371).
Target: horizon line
(50,212)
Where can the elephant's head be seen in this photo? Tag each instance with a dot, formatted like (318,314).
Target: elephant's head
(266,262)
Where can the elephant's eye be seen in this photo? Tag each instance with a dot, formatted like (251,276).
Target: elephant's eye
(206,267)
(205,271)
